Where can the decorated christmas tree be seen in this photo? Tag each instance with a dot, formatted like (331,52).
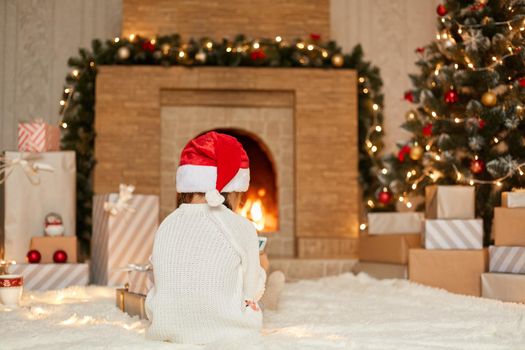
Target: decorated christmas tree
(467,121)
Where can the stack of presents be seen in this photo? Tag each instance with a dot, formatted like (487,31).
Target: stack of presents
(38,215)
(444,249)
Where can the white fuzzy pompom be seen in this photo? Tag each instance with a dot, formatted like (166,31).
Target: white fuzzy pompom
(214,198)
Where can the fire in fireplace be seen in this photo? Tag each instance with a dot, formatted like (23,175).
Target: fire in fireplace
(259,203)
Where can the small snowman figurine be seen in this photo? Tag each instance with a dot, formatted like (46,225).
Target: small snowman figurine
(53,225)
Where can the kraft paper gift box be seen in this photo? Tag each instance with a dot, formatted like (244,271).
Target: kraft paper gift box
(38,136)
(449,202)
(123,238)
(454,234)
(503,286)
(140,282)
(509,226)
(387,248)
(381,271)
(47,246)
(514,199)
(457,271)
(507,259)
(395,223)
(51,276)
(36,184)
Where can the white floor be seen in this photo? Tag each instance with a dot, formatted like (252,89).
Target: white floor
(344,312)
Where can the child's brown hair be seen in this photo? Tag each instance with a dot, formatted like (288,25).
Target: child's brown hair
(232,199)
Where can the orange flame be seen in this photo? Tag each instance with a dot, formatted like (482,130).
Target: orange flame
(253,210)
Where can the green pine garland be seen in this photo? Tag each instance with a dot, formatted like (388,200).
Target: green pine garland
(79,93)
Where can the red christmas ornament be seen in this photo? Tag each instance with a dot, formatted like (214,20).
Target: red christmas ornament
(257,54)
(384,197)
(315,36)
(403,152)
(148,46)
(477,166)
(420,50)
(409,96)
(60,257)
(441,10)
(477,7)
(521,82)
(451,96)
(33,256)
(481,123)
(427,130)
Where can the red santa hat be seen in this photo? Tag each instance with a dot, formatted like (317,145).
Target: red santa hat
(213,163)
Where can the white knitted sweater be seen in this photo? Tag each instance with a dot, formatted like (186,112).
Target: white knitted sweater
(206,264)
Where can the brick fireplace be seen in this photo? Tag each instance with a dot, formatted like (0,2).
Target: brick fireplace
(303,120)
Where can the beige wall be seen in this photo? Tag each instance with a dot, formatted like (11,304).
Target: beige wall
(38,36)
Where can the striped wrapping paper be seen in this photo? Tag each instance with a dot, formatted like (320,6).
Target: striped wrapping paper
(38,136)
(122,239)
(140,282)
(454,234)
(507,259)
(51,276)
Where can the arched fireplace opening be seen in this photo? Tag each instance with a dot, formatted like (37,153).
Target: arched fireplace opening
(260,202)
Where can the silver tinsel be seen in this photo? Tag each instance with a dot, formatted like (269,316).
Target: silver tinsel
(502,166)
(512,123)
(476,142)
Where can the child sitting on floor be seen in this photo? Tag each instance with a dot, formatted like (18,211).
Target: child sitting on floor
(207,269)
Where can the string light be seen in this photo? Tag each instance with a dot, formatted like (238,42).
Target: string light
(278,39)
(362,227)
(63,125)
(62,102)
(379,128)
(310,47)
(256,45)
(365,91)
(384,171)
(300,45)
(498,181)
(409,205)
(361,80)
(132,37)
(116,40)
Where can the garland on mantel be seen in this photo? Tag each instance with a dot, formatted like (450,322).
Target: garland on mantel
(77,103)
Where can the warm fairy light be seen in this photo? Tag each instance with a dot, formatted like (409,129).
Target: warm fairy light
(436,72)
(278,38)
(324,53)
(458,176)
(384,171)
(369,144)
(209,44)
(365,90)
(375,107)
(228,49)
(411,115)
(471,182)
(521,171)
(374,149)
(117,39)
(409,175)
(361,79)
(470,65)
(92,64)
(457,120)
(64,125)
(310,47)
(256,45)
(300,45)
(66,90)
(414,186)
(494,58)
(437,157)
(132,37)
(499,184)
(379,128)
(460,31)
(401,198)
(181,54)
(75,73)
(438,36)
(370,203)
(362,227)
(434,114)
(409,205)
(153,41)
(496,140)
(456,66)
(62,102)
(427,147)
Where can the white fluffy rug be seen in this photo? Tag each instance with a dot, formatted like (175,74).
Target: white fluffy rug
(344,312)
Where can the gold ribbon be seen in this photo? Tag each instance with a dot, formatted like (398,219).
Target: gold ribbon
(122,203)
(28,165)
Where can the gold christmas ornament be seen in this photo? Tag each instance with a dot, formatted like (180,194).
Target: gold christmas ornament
(338,60)
(200,56)
(489,99)
(416,152)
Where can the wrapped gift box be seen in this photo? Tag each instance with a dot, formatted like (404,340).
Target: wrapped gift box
(514,199)
(509,226)
(507,259)
(395,223)
(26,198)
(47,246)
(51,276)
(140,282)
(387,248)
(503,286)
(454,234)
(122,239)
(131,303)
(381,271)
(37,136)
(458,271)
(449,202)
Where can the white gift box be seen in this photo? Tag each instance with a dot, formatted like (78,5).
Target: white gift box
(449,202)
(515,199)
(51,276)
(123,238)
(507,259)
(36,184)
(454,234)
(140,282)
(503,286)
(395,223)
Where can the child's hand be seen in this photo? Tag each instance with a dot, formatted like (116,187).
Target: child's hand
(252,305)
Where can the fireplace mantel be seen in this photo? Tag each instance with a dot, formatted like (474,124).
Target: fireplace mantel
(324,101)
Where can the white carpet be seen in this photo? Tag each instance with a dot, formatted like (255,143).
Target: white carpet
(344,312)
